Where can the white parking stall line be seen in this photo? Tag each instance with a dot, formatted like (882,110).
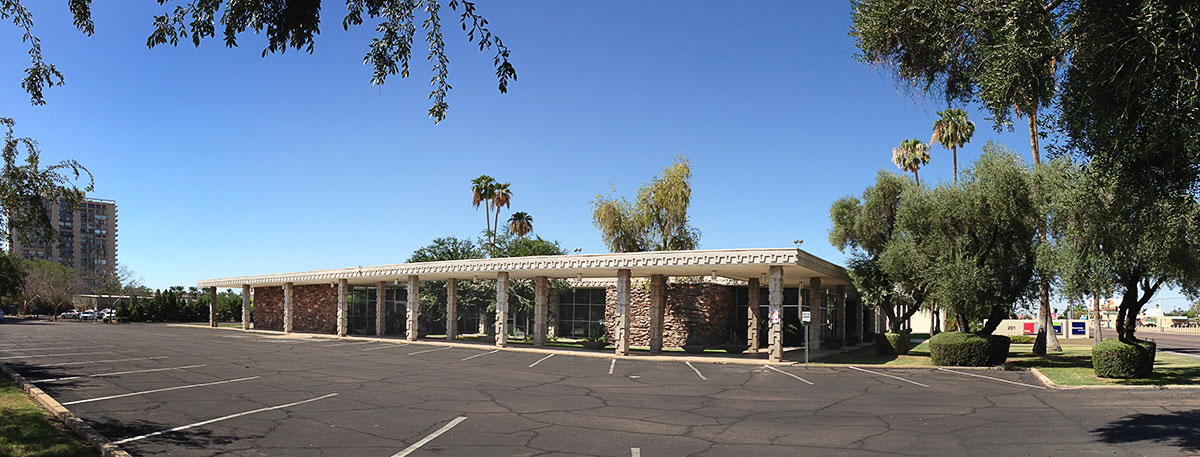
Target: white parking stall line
(38,356)
(789,374)
(481,354)
(144,392)
(427,439)
(689,364)
(345,344)
(635,452)
(887,376)
(88,362)
(443,348)
(540,360)
(612,365)
(47,349)
(231,416)
(994,379)
(386,346)
(116,373)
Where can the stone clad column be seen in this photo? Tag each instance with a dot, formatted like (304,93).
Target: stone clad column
(775,290)
(658,305)
(287,308)
(815,292)
(451,309)
(502,309)
(622,343)
(380,308)
(212,306)
(342,322)
(541,292)
(839,319)
(245,307)
(752,314)
(414,307)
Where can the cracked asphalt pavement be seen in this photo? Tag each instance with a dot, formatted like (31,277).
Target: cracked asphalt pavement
(202,392)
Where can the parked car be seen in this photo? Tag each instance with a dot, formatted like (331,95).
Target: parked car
(106,313)
(88,315)
(72,314)
(1,315)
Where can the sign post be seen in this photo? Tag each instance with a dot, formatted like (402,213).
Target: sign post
(806,317)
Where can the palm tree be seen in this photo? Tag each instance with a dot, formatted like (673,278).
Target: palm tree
(952,131)
(483,190)
(500,197)
(521,223)
(910,156)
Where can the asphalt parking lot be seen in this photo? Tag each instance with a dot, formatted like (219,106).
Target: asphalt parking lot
(160,390)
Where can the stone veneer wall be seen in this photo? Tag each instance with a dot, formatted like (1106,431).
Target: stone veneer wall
(314,308)
(695,313)
(268,308)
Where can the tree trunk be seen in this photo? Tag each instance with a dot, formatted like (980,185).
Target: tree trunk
(964,325)
(1098,335)
(954,152)
(1033,134)
(917,177)
(993,321)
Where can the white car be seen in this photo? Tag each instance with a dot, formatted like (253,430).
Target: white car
(88,315)
(72,314)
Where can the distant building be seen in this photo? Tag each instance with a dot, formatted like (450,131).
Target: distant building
(86,241)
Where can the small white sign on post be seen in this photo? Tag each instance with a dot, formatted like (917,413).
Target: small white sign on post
(774,317)
(806,316)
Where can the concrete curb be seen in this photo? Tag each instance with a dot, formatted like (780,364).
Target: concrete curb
(68,418)
(1050,383)
(535,350)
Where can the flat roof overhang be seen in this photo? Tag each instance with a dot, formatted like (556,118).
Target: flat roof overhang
(741,264)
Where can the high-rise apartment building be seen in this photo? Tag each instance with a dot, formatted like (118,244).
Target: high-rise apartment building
(86,240)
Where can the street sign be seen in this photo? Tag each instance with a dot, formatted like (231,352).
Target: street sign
(806,316)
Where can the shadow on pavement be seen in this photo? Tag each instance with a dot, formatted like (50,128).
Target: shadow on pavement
(1174,429)
(197,438)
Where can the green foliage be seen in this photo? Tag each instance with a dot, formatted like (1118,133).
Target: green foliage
(910,156)
(959,349)
(447,248)
(952,130)
(972,247)
(176,305)
(656,221)
(1021,339)
(12,276)
(865,228)
(1000,53)
(1117,359)
(520,223)
(48,284)
(892,343)
(27,189)
(294,25)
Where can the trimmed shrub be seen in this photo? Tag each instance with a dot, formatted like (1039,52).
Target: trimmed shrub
(891,343)
(1116,359)
(998,346)
(959,349)
(1022,339)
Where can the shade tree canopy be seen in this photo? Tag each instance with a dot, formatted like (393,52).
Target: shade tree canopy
(657,220)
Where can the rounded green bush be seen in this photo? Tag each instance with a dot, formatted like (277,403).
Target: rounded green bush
(998,346)
(959,349)
(1116,359)
(891,343)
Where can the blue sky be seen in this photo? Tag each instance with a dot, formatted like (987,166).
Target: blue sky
(226,163)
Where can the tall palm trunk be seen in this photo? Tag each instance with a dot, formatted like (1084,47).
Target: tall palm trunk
(954,152)
(917,177)
(1046,339)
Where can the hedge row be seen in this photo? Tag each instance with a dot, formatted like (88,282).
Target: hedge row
(892,343)
(960,349)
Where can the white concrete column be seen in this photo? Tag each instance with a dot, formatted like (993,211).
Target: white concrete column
(815,293)
(212,306)
(775,297)
(287,308)
(752,314)
(342,314)
(414,307)
(451,309)
(541,297)
(380,308)
(622,343)
(502,309)
(658,306)
(839,318)
(245,307)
